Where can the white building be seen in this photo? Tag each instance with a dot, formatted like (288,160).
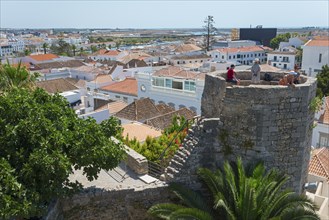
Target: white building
(189,59)
(315,55)
(282,59)
(11,47)
(320,137)
(173,86)
(104,54)
(293,42)
(88,73)
(240,55)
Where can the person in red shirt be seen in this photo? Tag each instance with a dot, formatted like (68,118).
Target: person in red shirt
(231,76)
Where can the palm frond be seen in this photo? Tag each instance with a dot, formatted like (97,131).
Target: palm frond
(190,214)
(190,197)
(164,210)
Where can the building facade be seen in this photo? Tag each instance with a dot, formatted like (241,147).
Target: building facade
(282,59)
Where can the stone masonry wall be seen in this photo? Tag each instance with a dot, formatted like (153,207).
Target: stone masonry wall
(258,122)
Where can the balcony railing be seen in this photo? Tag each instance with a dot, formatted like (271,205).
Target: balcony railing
(173,91)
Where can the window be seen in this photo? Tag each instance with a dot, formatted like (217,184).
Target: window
(184,62)
(259,54)
(255,54)
(247,55)
(177,62)
(320,57)
(233,56)
(285,59)
(275,58)
(117,97)
(168,83)
(284,66)
(158,81)
(244,56)
(323,139)
(181,106)
(238,56)
(189,86)
(216,56)
(190,61)
(177,85)
(274,64)
(251,55)
(222,57)
(229,57)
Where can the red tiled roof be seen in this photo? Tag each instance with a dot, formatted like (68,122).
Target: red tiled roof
(324,118)
(43,57)
(106,52)
(178,72)
(318,43)
(243,49)
(127,86)
(319,164)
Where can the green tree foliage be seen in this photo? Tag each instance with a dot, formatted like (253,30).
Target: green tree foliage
(93,48)
(323,82)
(15,77)
(238,193)
(210,32)
(275,42)
(74,49)
(42,141)
(62,48)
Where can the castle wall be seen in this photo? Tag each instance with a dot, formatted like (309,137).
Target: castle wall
(258,122)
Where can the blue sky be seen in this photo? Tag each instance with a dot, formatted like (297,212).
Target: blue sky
(161,14)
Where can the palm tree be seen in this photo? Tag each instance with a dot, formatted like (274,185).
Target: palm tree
(44,46)
(74,49)
(16,77)
(239,194)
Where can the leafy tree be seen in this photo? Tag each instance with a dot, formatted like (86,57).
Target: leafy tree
(15,77)
(210,30)
(323,82)
(62,48)
(238,193)
(275,42)
(45,46)
(42,141)
(93,48)
(117,44)
(81,51)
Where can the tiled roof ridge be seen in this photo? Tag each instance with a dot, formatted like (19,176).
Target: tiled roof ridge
(323,167)
(168,113)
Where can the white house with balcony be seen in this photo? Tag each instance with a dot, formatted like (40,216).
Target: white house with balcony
(240,55)
(282,59)
(315,55)
(173,86)
(292,42)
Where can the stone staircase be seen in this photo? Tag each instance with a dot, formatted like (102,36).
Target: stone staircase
(182,155)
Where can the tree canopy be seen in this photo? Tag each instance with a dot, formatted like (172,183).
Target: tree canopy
(238,193)
(210,32)
(275,42)
(42,141)
(323,82)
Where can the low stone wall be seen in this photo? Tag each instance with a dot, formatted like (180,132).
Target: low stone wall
(135,161)
(123,204)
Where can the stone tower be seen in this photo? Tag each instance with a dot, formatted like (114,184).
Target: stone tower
(264,122)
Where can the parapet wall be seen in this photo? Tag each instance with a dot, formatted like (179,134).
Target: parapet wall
(257,122)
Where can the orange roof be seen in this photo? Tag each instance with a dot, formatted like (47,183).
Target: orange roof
(106,52)
(318,43)
(324,118)
(178,72)
(43,57)
(26,65)
(242,49)
(319,164)
(139,131)
(127,86)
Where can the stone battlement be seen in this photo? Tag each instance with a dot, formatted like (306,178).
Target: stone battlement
(256,122)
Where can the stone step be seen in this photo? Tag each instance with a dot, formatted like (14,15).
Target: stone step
(181,154)
(172,170)
(169,176)
(179,159)
(175,164)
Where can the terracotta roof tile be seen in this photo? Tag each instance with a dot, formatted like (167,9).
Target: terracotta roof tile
(163,108)
(56,85)
(57,64)
(43,57)
(318,43)
(319,164)
(139,131)
(127,86)
(183,48)
(139,110)
(243,49)
(164,121)
(105,52)
(178,72)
